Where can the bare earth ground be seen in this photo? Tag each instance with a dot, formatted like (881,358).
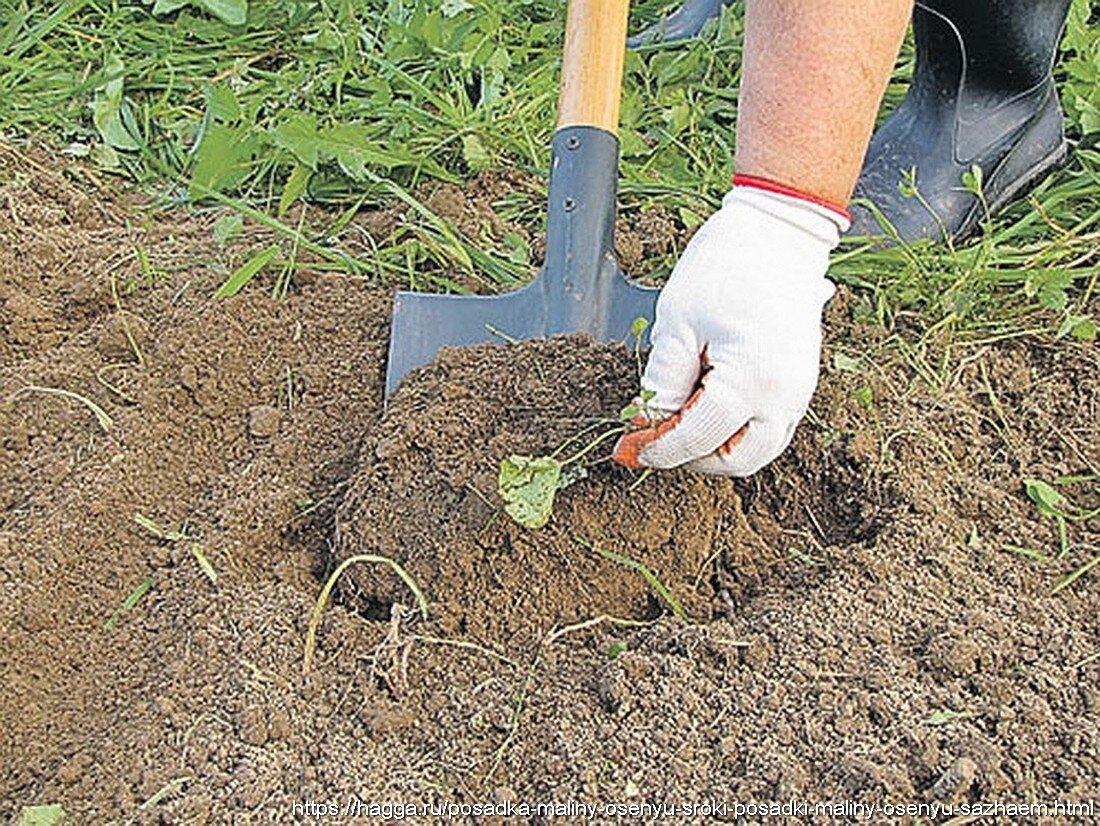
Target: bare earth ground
(857,630)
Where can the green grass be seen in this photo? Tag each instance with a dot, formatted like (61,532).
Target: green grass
(354,104)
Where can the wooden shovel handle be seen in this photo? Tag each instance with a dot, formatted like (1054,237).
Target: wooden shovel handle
(592,64)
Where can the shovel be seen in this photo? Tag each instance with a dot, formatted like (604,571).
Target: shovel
(580,287)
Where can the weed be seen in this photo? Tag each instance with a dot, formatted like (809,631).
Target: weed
(46,815)
(1052,503)
(172,536)
(658,587)
(128,604)
(322,599)
(946,715)
(101,417)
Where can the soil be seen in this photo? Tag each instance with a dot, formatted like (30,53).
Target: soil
(856,628)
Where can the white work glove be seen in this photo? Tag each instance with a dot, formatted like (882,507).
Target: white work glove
(737,338)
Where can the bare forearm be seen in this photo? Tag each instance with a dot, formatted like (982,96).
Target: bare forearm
(814,75)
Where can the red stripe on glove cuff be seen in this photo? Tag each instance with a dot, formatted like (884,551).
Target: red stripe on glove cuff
(782,189)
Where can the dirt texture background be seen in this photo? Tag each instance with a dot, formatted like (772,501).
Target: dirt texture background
(856,627)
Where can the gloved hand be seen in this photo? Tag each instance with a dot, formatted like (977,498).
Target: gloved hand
(737,338)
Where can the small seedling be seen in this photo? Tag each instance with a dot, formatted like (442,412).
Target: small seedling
(181,535)
(528,484)
(132,599)
(615,649)
(1051,502)
(946,715)
(246,272)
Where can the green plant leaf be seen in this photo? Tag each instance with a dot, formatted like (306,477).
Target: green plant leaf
(42,815)
(222,104)
(527,485)
(475,154)
(230,12)
(222,158)
(132,599)
(352,150)
(107,108)
(204,563)
(1048,500)
(296,186)
(298,135)
(246,272)
(228,227)
(847,364)
(946,715)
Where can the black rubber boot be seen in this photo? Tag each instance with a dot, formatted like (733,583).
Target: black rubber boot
(982,93)
(686,22)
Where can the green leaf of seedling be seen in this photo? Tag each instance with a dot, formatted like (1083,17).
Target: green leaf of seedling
(1081,327)
(132,599)
(204,563)
(230,12)
(647,395)
(450,8)
(298,135)
(475,154)
(42,815)
(946,715)
(846,364)
(972,180)
(222,104)
(1076,575)
(246,272)
(615,649)
(907,185)
(351,148)
(864,397)
(223,157)
(1030,553)
(570,474)
(1048,500)
(629,412)
(639,326)
(527,485)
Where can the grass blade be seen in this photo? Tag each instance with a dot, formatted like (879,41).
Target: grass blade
(1076,575)
(322,599)
(132,599)
(246,272)
(105,421)
(204,563)
(648,575)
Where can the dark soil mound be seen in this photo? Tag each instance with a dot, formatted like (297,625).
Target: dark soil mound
(426,497)
(858,628)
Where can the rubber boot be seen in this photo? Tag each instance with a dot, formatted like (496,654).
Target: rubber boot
(982,94)
(686,22)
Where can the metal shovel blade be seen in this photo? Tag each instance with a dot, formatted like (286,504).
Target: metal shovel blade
(579,289)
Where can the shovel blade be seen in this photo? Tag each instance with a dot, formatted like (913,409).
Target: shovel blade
(423,323)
